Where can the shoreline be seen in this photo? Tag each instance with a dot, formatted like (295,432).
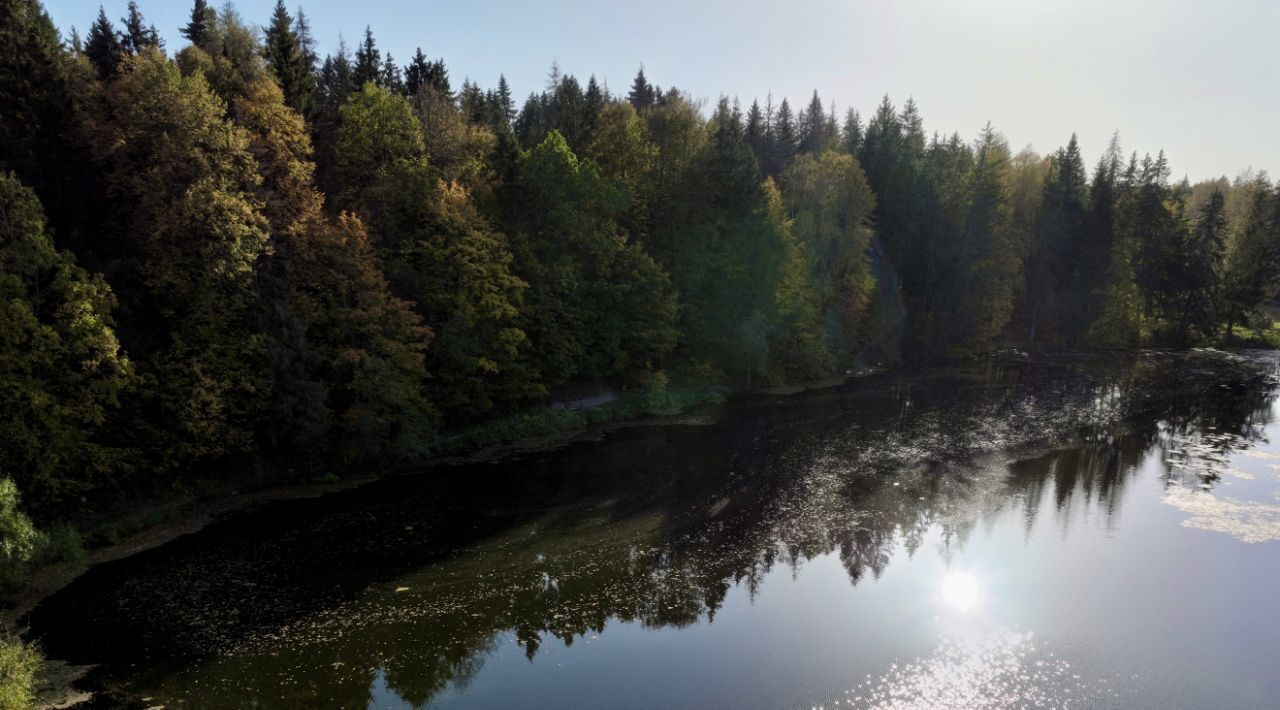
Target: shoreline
(193,512)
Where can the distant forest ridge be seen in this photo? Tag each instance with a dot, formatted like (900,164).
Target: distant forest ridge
(238,255)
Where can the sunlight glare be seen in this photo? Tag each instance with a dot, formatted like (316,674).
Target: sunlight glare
(960,590)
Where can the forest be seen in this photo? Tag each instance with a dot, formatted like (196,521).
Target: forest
(239,256)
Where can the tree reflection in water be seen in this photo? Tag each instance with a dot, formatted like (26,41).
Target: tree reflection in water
(653,525)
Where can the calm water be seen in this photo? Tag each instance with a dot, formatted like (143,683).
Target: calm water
(1086,531)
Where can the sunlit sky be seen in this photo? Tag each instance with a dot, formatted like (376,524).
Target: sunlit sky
(1195,78)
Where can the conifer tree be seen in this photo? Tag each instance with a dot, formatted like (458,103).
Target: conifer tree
(416,73)
(642,95)
(137,36)
(1053,254)
(199,29)
(757,133)
(390,78)
(102,46)
(1198,270)
(506,107)
(284,52)
(368,62)
(851,134)
(785,142)
(813,136)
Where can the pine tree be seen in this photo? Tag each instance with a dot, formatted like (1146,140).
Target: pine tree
(851,134)
(1055,248)
(199,28)
(784,140)
(416,73)
(757,134)
(368,63)
(642,93)
(284,52)
(137,36)
(390,78)
(102,46)
(506,107)
(306,43)
(1198,270)
(813,128)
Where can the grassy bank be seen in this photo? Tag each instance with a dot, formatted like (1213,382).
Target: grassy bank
(551,422)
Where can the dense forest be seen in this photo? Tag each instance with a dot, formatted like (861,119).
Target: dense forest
(238,255)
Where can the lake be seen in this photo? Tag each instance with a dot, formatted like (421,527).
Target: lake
(1058,531)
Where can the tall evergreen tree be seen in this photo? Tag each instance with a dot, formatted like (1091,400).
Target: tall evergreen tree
(851,134)
(368,62)
(199,29)
(390,77)
(1198,270)
(102,46)
(289,62)
(1053,255)
(137,36)
(813,136)
(785,142)
(642,95)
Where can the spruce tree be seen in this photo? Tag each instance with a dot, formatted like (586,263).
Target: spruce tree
(1055,248)
(851,134)
(416,73)
(137,36)
(642,93)
(390,77)
(368,62)
(102,46)
(284,53)
(199,28)
(784,139)
(506,106)
(813,127)
(1199,270)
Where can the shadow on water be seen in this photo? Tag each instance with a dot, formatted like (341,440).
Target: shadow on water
(407,586)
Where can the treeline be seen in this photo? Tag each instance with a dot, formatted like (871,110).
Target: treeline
(240,255)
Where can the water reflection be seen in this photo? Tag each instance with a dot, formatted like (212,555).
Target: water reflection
(296,605)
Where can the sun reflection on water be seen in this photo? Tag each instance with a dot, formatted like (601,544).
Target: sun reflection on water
(961,591)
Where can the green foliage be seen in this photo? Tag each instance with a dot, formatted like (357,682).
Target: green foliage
(830,205)
(597,307)
(317,270)
(17,534)
(61,368)
(20,667)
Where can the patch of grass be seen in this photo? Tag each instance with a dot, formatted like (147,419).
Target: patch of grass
(654,400)
(20,667)
(1243,336)
(115,531)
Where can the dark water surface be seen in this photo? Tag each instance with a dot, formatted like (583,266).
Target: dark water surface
(1068,531)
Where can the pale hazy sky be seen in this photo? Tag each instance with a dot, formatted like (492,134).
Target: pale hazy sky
(1196,78)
